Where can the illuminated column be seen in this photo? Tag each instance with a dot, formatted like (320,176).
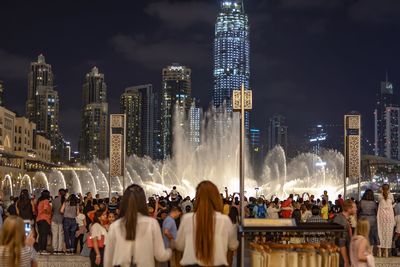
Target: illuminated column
(352,149)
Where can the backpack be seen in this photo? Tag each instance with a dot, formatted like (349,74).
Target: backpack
(261,211)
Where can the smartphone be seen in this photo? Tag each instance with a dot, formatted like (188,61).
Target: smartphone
(27,227)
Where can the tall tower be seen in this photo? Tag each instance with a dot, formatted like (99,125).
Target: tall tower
(93,139)
(40,74)
(42,106)
(231,53)
(46,119)
(176,95)
(387,120)
(277,132)
(194,125)
(138,104)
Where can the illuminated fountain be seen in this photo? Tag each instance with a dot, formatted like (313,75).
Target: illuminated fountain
(215,159)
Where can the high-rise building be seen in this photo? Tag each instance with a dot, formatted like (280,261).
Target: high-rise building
(194,125)
(317,137)
(1,94)
(40,74)
(42,106)
(255,145)
(387,122)
(231,53)
(93,139)
(176,96)
(157,136)
(47,116)
(325,136)
(277,132)
(138,104)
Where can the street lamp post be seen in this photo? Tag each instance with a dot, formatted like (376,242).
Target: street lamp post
(242,100)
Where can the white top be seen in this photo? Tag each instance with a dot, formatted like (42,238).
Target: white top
(96,230)
(80,219)
(225,237)
(386,204)
(148,245)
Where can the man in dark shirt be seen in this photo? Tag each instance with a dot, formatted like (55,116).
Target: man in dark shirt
(349,209)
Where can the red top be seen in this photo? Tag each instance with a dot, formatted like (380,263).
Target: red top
(286,209)
(44,211)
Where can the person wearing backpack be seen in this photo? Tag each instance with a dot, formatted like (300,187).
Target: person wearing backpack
(260,210)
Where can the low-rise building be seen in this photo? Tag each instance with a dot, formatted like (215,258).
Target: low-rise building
(7,122)
(43,148)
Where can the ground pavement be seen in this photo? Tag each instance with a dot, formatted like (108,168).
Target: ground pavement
(78,261)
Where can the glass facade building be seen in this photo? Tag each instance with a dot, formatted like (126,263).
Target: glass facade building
(176,96)
(138,104)
(387,122)
(93,140)
(231,52)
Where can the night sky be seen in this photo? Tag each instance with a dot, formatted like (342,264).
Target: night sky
(311,60)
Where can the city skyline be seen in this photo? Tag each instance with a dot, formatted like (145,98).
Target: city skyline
(298,64)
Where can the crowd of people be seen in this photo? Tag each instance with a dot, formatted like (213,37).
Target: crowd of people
(173,230)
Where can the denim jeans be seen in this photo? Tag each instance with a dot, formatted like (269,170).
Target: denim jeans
(70,227)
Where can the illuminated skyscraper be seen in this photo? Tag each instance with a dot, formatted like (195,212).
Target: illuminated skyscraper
(194,121)
(176,95)
(231,53)
(387,121)
(42,106)
(40,74)
(277,132)
(138,104)
(93,139)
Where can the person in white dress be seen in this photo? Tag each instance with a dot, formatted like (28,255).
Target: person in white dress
(385,219)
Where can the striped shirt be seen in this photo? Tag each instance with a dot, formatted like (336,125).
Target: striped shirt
(28,254)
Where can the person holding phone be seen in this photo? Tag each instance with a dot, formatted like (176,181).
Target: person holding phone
(16,248)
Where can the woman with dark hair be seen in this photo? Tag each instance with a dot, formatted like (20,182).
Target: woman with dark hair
(134,233)
(206,235)
(368,209)
(25,206)
(70,210)
(385,220)
(296,215)
(43,220)
(97,233)
(234,215)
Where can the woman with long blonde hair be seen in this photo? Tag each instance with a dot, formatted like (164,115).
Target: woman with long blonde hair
(206,235)
(15,249)
(360,248)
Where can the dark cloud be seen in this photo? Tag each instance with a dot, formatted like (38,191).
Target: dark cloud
(310,4)
(376,12)
(13,66)
(153,54)
(182,15)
